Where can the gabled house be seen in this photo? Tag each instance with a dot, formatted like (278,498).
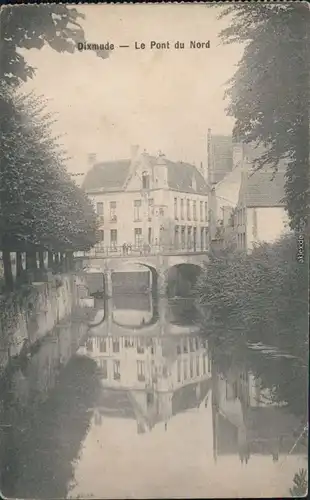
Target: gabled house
(248,205)
(149,200)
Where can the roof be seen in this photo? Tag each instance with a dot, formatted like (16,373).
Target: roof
(113,174)
(109,175)
(221,157)
(180,176)
(264,189)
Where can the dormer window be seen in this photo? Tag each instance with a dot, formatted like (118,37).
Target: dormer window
(194,183)
(145,180)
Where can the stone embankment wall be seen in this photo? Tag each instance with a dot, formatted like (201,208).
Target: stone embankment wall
(32,312)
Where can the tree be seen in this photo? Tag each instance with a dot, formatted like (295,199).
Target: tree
(41,207)
(261,297)
(269,93)
(32,26)
(36,208)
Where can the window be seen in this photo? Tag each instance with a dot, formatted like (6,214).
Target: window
(197,366)
(176,208)
(115,345)
(192,345)
(141,371)
(103,368)
(116,370)
(176,237)
(149,235)
(138,236)
(140,347)
(204,368)
(194,210)
(206,211)
(137,210)
(201,210)
(178,349)
(191,368)
(113,238)
(189,237)
(185,346)
(202,234)
(179,370)
(100,236)
(182,209)
(209,364)
(100,208)
(185,369)
(102,345)
(145,180)
(150,208)
(113,217)
(183,237)
(89,345)
(188,209)
(195,238)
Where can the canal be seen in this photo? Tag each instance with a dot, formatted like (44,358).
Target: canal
(146,408)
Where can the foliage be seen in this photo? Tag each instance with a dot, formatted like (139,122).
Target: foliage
(269,93)
(261,297)
(30,27)
(300,488)
(40,205)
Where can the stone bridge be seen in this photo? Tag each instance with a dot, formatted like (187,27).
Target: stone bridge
(157,327)
(158,261)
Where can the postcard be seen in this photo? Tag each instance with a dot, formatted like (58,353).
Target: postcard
(154,203)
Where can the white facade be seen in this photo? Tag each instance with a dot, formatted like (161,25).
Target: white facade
(265,224)
(151,206)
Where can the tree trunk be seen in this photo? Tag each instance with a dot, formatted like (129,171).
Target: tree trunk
(19,265)
(41,260)
(31,261)
(70,263)
(50,258)
(7,269)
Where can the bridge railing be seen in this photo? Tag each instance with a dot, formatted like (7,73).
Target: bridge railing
(135,251)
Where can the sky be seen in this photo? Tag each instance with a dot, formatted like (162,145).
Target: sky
(161,100)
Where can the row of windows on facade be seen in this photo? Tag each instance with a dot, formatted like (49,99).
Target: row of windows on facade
(241,240)
(137,210)
(184,236)
(103,363)
(240,217)
(137,233)
(185,346)
(191,212)
(191,369)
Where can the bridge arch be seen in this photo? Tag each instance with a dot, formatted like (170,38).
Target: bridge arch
(182,278)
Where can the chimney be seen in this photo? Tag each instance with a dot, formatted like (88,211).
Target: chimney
(92,157)
(238,155)
(161,158)
(134,152)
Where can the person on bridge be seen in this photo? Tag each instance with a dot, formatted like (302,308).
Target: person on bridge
(125,248)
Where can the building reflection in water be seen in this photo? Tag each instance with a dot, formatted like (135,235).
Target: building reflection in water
(149,375)
(246,421)
(161,396)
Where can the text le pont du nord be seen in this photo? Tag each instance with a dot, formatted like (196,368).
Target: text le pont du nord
(138,45)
